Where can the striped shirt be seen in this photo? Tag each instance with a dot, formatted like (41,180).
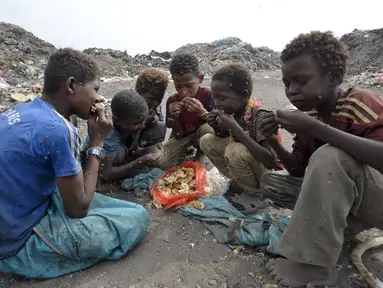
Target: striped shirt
(358,112)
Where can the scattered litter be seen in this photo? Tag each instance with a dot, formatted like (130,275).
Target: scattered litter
(238,249)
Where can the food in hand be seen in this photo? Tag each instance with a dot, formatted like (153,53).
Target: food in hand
(98,107)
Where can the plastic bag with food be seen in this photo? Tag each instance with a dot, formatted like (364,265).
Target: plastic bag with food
(216,183)
(180,185)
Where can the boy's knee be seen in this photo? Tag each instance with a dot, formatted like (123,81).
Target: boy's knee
(237,152)
(330,156)
(143,218)
(205,129)
(206,143)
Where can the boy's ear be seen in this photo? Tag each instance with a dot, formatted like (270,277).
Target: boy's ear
(336,77)
(69,85)
(201,77)
(245,94)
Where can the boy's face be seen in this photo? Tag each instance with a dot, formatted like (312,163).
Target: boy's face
(154,96)
(82,96)
(226,99)
(305,85)
(132,124)
(187,84)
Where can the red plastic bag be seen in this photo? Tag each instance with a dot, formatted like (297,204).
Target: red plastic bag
(181,199)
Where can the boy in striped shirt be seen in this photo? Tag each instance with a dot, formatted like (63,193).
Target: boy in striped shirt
(334,178)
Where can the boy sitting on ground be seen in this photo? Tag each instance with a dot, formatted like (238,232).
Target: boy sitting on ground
(52,221)
(124,158)
(238,150)
(151,84)
(186,110)
(334,178)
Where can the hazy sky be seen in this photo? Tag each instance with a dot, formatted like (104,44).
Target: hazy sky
(139,26)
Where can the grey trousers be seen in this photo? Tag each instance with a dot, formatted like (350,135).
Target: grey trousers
(337,197)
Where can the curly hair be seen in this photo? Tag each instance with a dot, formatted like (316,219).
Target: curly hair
(184,63)
(151,77)
(237,75)
(328,52)
(127,103)
(66,63)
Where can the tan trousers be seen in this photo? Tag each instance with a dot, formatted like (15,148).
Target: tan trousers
(234,160)
(336,198)
(175,149)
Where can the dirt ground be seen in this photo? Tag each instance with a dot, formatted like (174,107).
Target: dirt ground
(179,252)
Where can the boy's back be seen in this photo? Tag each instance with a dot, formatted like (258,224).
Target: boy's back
(37,146)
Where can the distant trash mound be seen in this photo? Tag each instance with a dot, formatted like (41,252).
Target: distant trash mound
(365,48)
(22,55)
(231,49)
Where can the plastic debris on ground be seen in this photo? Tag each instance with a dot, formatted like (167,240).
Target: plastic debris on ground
(230,226)
(142,181)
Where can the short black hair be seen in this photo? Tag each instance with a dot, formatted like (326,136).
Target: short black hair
(151,77)
(237,75)
(127,103)
(329,52)
(184,63)
(66,63)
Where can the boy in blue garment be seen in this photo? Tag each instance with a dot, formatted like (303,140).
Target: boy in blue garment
(52,221)
(124,154)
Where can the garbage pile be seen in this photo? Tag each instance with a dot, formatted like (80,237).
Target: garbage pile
(365,80)
(22,55)
(11,95)
(365,49)
(120,63)
(213,55)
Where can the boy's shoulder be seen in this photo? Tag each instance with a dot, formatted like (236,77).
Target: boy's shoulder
(204,91)
(174,97)
(359,105)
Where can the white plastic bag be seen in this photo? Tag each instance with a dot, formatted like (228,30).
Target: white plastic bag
(216,183)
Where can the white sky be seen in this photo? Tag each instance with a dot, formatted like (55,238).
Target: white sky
(139,26)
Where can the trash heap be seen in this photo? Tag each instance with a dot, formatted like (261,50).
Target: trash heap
(213,55)
(23,56)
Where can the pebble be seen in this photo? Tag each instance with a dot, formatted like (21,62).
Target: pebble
(212,282)
(223,285)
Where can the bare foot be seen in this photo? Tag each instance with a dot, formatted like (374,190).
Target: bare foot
(292,274)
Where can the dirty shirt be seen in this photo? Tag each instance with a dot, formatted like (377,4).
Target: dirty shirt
(189,121)
(358,112)
(37,146)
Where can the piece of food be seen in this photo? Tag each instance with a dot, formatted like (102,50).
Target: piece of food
(180,181)
(97,107)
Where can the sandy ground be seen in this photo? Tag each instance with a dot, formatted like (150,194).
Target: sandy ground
(179,252)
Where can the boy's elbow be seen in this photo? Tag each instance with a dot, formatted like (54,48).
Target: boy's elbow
(78,213)
(271,162)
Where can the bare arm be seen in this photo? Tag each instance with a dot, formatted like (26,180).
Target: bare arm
(115,173)
(77,190)
(262,152)
(289,161)
(364,150)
